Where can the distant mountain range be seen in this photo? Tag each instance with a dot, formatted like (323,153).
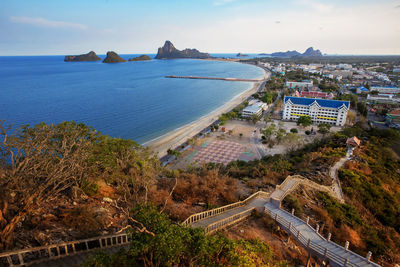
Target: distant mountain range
(310,52)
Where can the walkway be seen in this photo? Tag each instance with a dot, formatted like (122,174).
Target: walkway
(316,244)
(257,203)
(333,172)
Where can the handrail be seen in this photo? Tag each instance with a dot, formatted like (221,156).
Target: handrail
(54,251)
(315,247)
(228,221)
(210,213)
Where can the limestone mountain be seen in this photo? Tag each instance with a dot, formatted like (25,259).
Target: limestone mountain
(113,57)
(169,51)
(91,56)
(310,52)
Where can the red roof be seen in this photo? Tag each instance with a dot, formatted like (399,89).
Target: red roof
(314,94)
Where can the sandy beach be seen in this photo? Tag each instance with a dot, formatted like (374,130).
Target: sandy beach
(178,136)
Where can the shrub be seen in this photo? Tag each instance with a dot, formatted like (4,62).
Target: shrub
(294,130)
(308,132)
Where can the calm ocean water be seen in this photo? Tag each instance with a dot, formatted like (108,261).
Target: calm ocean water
(129,100)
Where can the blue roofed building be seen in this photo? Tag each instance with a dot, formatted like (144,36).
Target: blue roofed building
(333,112)
(362,89)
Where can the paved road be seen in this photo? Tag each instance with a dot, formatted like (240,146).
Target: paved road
(255,138)
(333,172)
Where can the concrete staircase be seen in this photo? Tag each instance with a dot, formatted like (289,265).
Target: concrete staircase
(315,243)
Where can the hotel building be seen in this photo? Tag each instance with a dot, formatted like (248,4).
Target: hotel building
(255,108)
(333,112)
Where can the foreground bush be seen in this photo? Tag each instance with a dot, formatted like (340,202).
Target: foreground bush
(163,243)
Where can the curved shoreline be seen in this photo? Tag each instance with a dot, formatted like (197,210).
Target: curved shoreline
(176,137)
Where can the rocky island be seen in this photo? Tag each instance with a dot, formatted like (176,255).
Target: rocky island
(140,58)
(113,57)
(91,56)
(241,55)
(168,51)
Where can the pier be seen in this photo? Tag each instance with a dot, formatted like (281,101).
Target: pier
(214,78)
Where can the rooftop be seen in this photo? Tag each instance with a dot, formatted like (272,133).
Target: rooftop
(322,102)
(253,108)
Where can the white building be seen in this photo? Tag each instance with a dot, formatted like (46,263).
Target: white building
(386,89)
(299,85)
(383,98)
(320,110)
(255,108)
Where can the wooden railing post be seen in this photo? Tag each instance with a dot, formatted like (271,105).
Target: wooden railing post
(346,262)
(10,262)
(317,228)
(329,237)
(346,245)
(369,255)
(21,259)
(293,212)
(308,219)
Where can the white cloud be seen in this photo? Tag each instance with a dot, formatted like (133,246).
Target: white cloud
(315,5)
(42,22)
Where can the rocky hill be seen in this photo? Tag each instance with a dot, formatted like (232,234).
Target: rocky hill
(169,51)
(286,54)
(140,58)
(113,57)
(310,52)
(91,56)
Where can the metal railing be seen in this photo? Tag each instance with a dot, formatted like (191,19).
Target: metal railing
(317,249)
(210,213)
(35,255)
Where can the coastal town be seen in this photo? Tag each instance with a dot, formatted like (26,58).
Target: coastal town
(222,133)
(295,104)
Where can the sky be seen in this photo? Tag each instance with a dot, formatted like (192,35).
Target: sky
(61,27)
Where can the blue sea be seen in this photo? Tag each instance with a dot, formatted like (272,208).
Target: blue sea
(129,100)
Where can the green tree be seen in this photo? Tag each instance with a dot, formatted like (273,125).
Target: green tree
(255,118)
(304,121)
(324,128)
(280,135)
(269,131)
(160,242)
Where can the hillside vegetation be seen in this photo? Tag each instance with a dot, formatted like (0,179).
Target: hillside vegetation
(67,181)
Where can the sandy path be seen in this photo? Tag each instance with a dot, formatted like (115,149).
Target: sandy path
(178,136)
